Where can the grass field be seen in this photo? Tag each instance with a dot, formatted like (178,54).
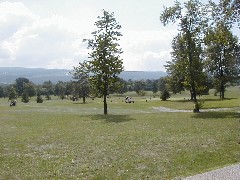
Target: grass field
(61,139)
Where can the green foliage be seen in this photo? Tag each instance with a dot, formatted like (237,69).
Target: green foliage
(48,88)
(48,97)
(122,87)
(171,14)
(187,58)
(25,97)
(29,88)
(12,93)
(105,63)
(39,98)
(142,93)
(226,11)
(81,74)
(155,86)
(1,92)
(162,83)
(60,89)
(139,86)
(223,56)
(19,84)
(165,95)
(198,105)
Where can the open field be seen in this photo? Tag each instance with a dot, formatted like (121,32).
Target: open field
(61,139)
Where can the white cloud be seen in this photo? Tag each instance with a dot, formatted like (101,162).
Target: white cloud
(15,9)
(55,41)
(147,49)
(37,42)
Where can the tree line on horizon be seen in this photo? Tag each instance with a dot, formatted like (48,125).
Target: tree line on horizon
(26,89)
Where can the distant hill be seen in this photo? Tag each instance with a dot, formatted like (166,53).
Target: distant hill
(8,75)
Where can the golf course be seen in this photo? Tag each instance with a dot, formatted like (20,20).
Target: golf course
(147,139)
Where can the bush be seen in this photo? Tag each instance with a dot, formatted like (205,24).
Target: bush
(165,95)
(48,97)
(198,105)
(39,99)
(142,93)
(25,97)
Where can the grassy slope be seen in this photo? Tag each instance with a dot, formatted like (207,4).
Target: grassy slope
(61,139)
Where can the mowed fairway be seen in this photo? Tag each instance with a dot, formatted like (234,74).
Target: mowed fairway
(70,140)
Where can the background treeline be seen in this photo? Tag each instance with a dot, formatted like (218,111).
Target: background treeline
(26,89)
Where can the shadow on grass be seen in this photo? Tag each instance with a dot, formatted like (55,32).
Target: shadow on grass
(218,99)
(217,115)
(77,103)
(112,118)
(181,101)
(210,100)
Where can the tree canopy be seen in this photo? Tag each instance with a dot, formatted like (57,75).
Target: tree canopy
(105,63)
(204,45)
(187,56)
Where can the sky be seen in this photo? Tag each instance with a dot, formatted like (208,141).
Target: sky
(49,33)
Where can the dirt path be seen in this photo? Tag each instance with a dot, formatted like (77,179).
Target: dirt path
(164,109)
(227,173)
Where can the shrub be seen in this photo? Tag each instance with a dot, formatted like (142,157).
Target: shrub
(198,105)
(25,97)
(39,99)
(165,95)
(142,93)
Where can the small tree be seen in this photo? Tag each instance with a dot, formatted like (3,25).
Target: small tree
(19,84)
(48,89)
(165,95)
(155,86)
(60,89)
(105,63)
(25,97)
(39,98)
(139,86)
(1,92)
(12,93)
(81,74)
(30,89)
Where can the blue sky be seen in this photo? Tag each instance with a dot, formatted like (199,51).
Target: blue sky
(49,33)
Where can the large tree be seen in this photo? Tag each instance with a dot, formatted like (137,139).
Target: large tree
(105,63)
(187,45)
(222,57)
(222,51)
(226,11)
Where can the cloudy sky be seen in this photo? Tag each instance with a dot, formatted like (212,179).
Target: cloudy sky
(49,33)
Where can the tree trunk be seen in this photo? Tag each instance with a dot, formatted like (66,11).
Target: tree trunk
(191,94)
(105,103)
(105,98)
(222,91)
(194,94)
(222,74)
(191,68)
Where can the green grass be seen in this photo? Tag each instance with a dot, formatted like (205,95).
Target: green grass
(69,140)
